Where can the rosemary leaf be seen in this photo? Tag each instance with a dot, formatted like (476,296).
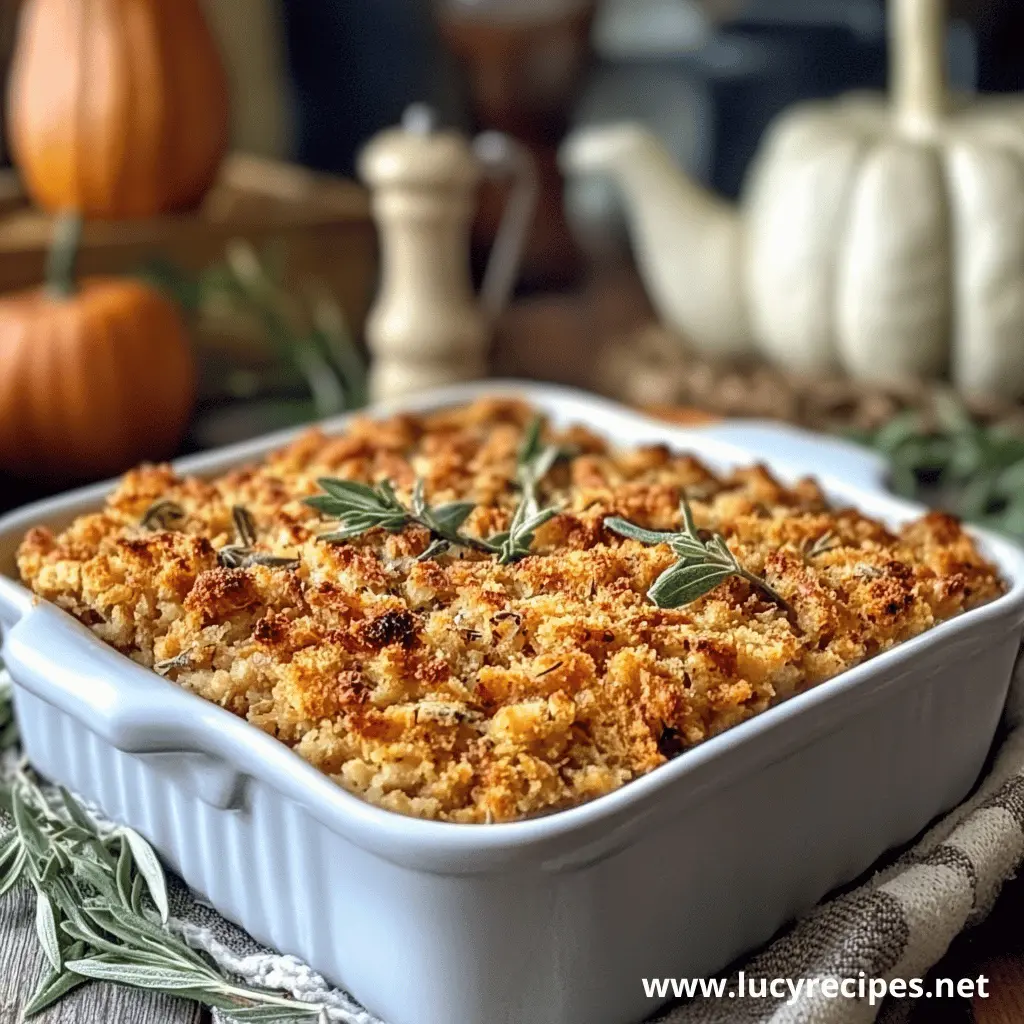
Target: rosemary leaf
(516,543)
(435,548)
(235,557)
(359,507)
(443,521)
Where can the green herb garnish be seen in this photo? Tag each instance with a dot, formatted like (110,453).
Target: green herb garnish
(945,457)
(360,507)
(101,905)
(828,541)
(701,566)
(533,462)
(162,515)
(241,554)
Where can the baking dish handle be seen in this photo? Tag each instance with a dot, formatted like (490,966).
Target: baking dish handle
(61,663)
(804,451)
(15,602)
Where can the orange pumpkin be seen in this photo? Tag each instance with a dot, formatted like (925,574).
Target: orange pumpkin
(93,378)
(117,108)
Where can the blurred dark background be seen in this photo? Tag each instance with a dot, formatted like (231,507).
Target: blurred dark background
(708,73)
(721,68)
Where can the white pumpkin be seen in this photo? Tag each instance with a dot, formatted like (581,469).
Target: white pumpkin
(882,234)
(887,235)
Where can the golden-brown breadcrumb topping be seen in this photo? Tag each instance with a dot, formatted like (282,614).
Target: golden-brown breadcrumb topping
(464,690)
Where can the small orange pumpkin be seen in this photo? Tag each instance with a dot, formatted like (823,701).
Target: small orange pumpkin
(93,378)
(117,108)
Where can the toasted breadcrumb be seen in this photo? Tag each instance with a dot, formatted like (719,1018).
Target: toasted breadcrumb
(463,690)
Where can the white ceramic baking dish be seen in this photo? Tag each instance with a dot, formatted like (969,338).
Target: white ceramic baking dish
(554,920)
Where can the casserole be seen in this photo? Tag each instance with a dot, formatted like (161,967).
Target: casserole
(557,919)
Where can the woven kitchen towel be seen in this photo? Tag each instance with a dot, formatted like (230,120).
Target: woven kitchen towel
(897,925)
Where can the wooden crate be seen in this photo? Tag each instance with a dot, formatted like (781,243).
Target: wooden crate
(321,222)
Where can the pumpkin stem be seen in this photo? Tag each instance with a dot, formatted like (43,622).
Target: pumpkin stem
(60,261)
(917,62)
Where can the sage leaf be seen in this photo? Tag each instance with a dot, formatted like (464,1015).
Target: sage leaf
(682,584)
(138,975)
(350,491)
(452,515)
(9,877)
(132,928)
(271,1014)
(93,939)
(46,929)
(135,900)
(97,877)
(149,867)
(123,874)
(55,985)
(359,507)
(75,812)
(701,564)
(31,834)
(8,848)
(624,528)
(91,916)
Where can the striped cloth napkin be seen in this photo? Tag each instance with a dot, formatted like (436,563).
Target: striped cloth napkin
(899,923)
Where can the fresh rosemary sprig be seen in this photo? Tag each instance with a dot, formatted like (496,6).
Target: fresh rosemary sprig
(533,462)
(241,554)
(102,909)
(361,507)
(701,566)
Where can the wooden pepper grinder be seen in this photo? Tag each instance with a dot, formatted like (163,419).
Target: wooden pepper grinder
(427,328)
